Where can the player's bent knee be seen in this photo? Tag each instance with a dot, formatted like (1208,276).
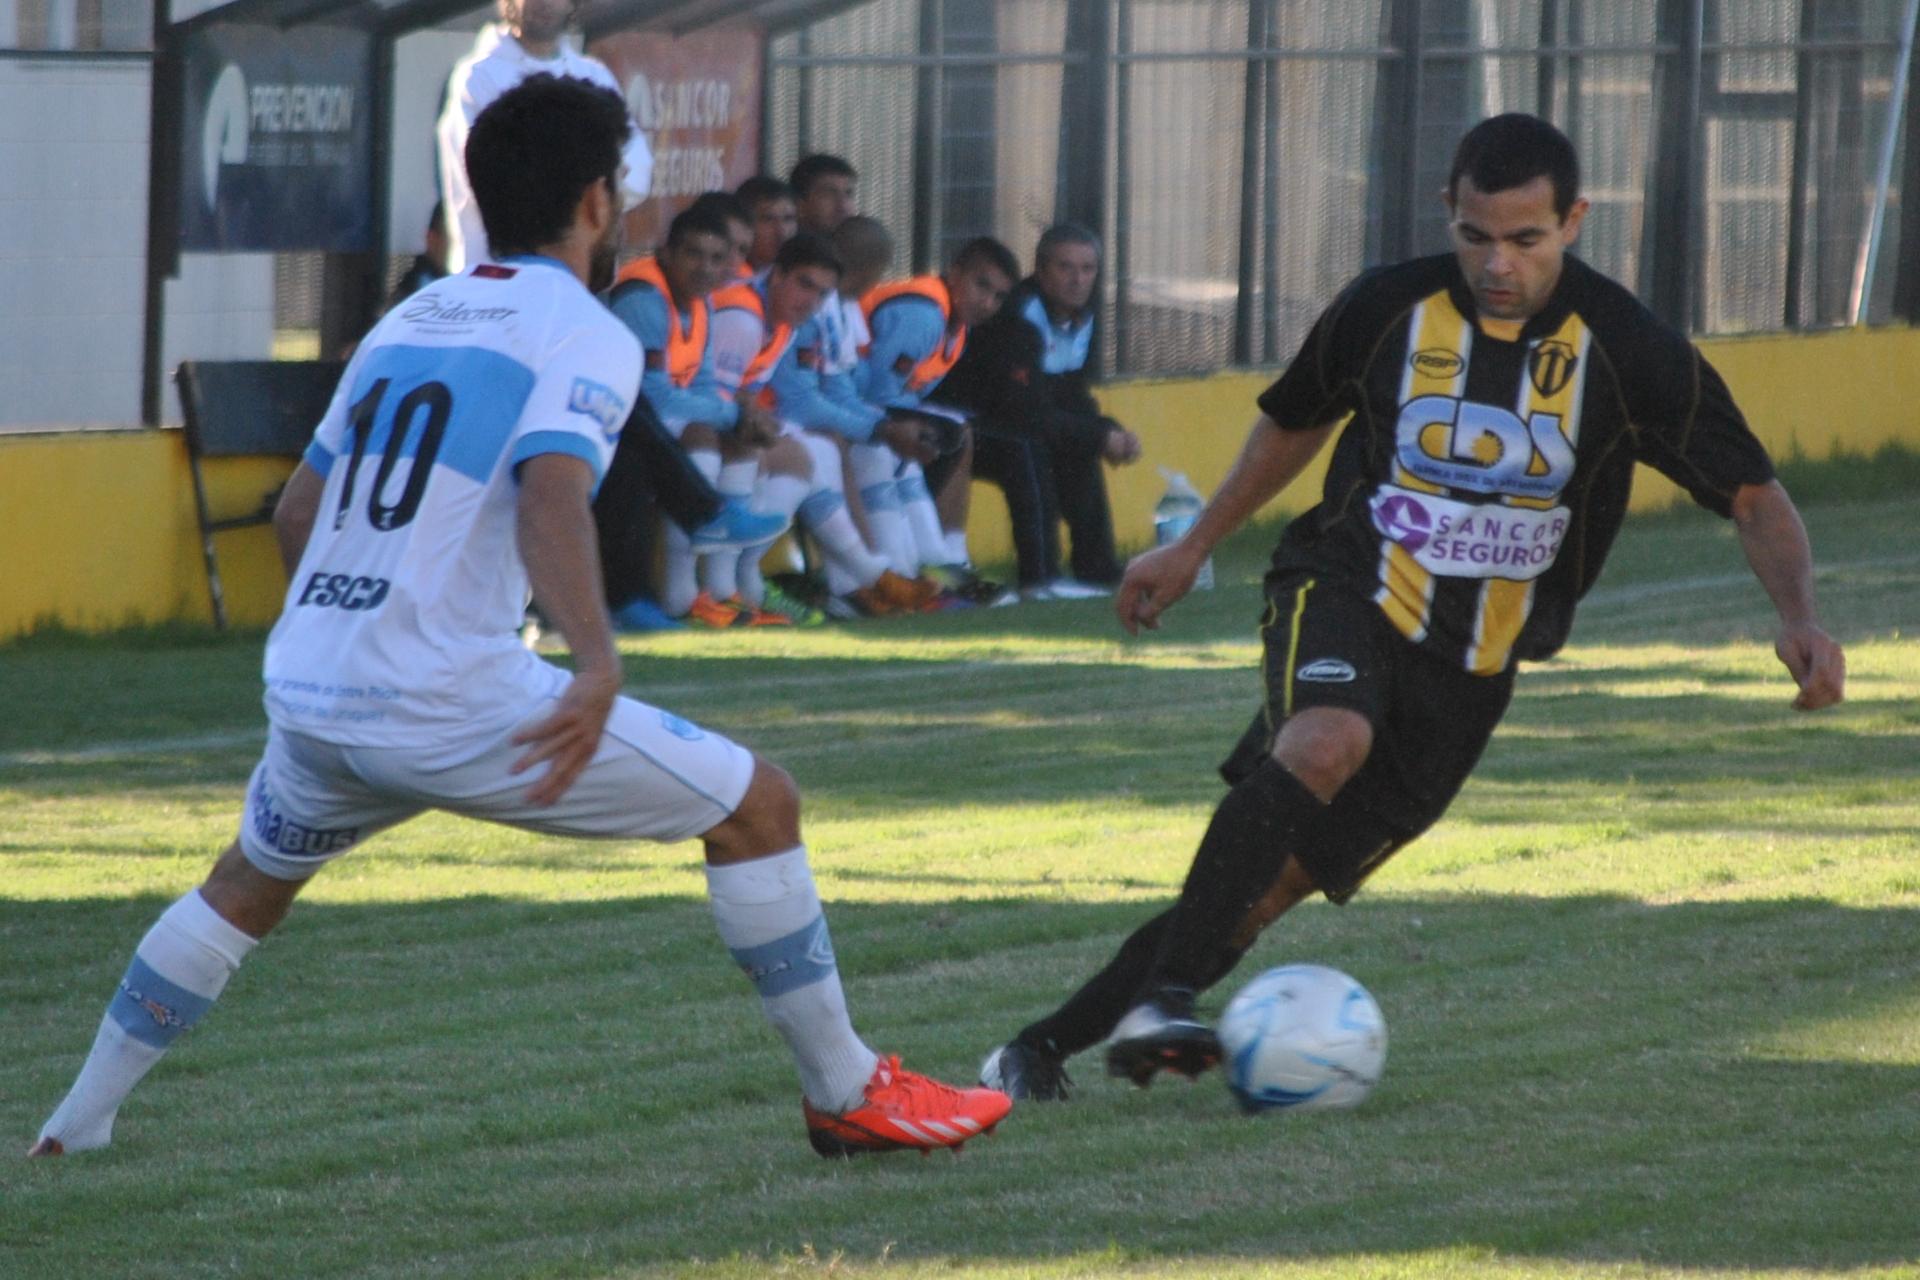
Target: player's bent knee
(246,897)
(1323,747)
(766,821)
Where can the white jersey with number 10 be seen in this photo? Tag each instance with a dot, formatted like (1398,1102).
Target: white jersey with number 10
(401,623)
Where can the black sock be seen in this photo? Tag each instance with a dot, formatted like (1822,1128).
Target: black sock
(1258,824)
(1089,1014)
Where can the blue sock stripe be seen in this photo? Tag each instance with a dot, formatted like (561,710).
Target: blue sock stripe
(818,507)
(153,1010)
(798,960)
(913,487)
(884,496)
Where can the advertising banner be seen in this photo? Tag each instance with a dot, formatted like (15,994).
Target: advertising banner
(697,97)
(277,139)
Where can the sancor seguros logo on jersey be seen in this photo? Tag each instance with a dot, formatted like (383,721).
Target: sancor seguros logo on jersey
(1483,448)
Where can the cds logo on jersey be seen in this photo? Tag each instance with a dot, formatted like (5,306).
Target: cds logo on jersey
(1483,448)
(600,402)
(431,308)
(1437,362)
(1326,671)
(351,592)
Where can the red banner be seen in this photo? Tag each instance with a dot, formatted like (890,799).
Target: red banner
(697,97)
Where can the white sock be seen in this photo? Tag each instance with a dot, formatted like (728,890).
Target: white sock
(680,584)
(752,587)
(178,970)
(780,494)
(849,564)
(956,547)
(923,519)
(768,914)
(736,479)
(717,576)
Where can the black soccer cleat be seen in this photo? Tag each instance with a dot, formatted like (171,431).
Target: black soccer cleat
(1161,1034)
(1026,1074)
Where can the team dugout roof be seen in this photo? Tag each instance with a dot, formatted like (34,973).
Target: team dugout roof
(597,17)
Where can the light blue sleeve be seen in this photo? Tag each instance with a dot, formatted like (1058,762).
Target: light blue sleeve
(906,330)
(643,309)
(802,393)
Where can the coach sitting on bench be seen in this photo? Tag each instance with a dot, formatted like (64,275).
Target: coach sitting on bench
(1039,435)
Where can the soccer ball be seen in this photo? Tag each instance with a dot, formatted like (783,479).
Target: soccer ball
(1302,1038)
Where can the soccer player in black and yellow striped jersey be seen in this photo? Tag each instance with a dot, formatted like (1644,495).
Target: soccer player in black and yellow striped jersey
(1495,401)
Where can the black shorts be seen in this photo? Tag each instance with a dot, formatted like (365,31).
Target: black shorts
(1329,646)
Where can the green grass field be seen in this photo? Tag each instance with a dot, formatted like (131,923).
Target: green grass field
(1653,987)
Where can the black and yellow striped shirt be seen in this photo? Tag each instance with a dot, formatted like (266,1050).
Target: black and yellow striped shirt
(1480,482)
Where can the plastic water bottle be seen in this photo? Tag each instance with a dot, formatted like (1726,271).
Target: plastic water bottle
(1178,508)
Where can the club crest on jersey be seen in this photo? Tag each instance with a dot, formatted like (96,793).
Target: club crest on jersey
(1483,448)
(1550,366)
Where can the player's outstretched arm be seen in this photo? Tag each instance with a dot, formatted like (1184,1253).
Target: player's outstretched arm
(557,542)
(1271,460)
(1775,542)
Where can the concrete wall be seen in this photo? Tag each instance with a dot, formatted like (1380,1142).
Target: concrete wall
(100,532)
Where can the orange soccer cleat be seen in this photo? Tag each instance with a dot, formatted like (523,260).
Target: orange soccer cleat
(714,614)
(905,1111)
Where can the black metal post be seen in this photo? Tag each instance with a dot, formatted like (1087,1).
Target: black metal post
(1803,87)
(1252,116)
(926,137)
(1669,239)
(1906,273)
(1122,183)
(165,111)
(1080,171)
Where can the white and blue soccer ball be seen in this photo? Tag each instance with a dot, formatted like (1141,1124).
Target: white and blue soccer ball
(1302,1038)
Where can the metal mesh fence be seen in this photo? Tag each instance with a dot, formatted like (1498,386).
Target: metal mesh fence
(1257,153)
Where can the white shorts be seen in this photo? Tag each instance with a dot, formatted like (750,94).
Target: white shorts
(655,777)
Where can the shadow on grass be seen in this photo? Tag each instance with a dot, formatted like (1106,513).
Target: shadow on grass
(581,1087)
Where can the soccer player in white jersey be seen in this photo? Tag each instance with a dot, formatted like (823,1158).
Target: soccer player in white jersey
(452,471)
(529,39)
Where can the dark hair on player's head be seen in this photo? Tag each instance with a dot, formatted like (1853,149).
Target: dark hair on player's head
(726,204)
(761,189)
(814,167)
(697,220)
(437,220)
(863,243)
(1063,233)
(535,150)
(1504,152)
(804,249)
(985,251)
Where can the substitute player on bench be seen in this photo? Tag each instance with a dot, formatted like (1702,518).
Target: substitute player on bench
(1499,397)
(453,470)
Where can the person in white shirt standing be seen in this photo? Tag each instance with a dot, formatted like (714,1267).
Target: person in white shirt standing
(454,470)
(529,39)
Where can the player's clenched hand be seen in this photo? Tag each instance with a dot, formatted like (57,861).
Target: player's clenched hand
(1818,665)
(568,738)
(1153,581)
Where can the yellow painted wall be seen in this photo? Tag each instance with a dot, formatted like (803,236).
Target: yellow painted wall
(97,528)
(97,531)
